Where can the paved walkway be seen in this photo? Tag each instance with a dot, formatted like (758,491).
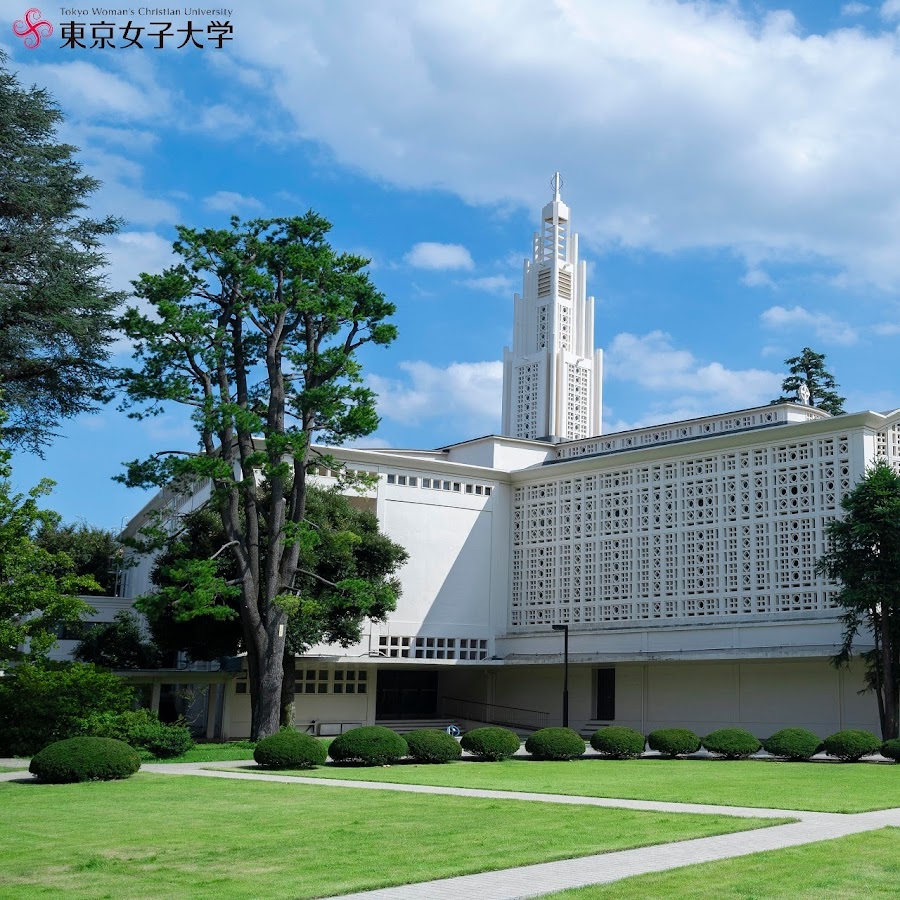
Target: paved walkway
(544,878)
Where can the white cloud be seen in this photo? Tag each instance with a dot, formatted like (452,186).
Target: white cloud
(690,388)
(132,252)
(890,10)
(754,277)
(128,254)
(823,326)
(431,255)
(465,396)
(224,121)
(231,202)
(502,285)
(717,126)
(854,9)
(88,91)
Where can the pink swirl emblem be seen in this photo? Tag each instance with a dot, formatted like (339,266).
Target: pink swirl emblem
(32,28)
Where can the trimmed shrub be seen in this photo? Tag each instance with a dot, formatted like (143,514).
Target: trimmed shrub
(290,750)
(850,745)
(85,759)
(491,743)
(617,742)
(792,743)
(732,743)
(891,749)
(371,745)
(431,746)
(674,741)
(555,743)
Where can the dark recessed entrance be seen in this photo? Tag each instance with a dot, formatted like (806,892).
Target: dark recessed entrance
(406,694)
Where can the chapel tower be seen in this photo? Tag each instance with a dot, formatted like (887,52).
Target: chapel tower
(552,377)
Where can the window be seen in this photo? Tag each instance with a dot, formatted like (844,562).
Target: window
(413,481)
(392,479)
(457,486)
(426,482)
(401,479)
(349,681)
(240,687)
(325,681)
(315,681)
(606,694)
(487,491)
(470,488)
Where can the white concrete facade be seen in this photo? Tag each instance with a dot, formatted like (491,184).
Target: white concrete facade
(681,557)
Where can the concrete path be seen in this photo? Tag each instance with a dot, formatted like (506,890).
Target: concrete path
(544,878)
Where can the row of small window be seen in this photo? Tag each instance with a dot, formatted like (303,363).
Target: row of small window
(436,484)
(331,681)
(322,472)
(400,647)
(324,681)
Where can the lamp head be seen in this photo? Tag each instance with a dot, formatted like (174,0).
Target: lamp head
(560,627)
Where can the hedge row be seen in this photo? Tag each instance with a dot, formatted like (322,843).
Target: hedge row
(102,758)
(736,743)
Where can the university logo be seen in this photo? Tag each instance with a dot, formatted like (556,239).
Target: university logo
(32,28)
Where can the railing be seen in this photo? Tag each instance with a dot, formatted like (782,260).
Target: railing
(511,716)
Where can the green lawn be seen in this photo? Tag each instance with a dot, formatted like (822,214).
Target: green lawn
(859,867)
(158,836)
(825,787)
(200,753)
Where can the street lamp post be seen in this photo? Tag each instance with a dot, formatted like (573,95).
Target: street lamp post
(565,630)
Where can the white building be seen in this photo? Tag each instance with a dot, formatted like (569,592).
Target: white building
(681,557)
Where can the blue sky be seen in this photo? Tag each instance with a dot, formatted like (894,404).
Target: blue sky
(731,168)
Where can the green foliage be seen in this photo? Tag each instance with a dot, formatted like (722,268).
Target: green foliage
(732,743)
(851,744)
(809,369)
(160,739)
(555,743)
(428,745)
(863,556)
(491,743)
(95,552)
(38,589)
(354,566)
(44,703)
(371,745)
(118,645)
(141,729)
(673,741)
(793,743)
(290,750)
(891,749)
(184,616)
(85,759)
(617,742)
(56,312)
(257,330)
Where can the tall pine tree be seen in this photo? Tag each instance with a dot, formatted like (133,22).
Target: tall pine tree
(56,311)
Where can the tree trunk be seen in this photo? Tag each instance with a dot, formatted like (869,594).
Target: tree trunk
(289,666)
(265,694)
(889,691)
